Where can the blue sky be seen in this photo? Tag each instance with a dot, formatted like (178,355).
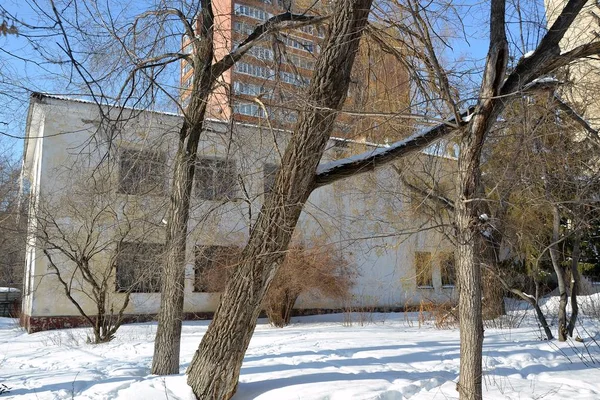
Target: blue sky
(22,71)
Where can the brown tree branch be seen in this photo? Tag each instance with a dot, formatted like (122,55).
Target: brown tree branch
(592,133)
(276,23)
(547,57)
(336,170)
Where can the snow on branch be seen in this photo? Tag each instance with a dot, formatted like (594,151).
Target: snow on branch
(566,108)
(336,170)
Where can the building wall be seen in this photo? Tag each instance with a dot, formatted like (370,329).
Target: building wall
(368,219)
(583,76)
(379,81)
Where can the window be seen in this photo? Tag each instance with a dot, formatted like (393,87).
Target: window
(240,9)
(250,89)
(448,269)
(298,43)
(285,4)
(285,116)
(269,174)
(300,62)
(243,28)
(261,53)
(292,79)
(141,172)
(423,269)
(319,31)
(187,67)
(139,267)
(216,179)
(188,48)
(250,109)
(189,82)
(210,267)
(254,70)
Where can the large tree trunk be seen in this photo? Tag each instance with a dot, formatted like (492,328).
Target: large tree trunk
(215,368)
(469,279)
(168,334)
(467,214)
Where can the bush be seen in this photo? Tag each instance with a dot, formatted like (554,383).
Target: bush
(316,270)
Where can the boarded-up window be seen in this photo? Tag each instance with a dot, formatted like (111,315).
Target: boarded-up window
(424,270)
(216,179)
(448,269)
(269,174)
(212,267)
(141,172)
(139,266)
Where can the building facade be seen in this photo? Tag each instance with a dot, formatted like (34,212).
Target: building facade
(582,78)
(266,86)
(101,189)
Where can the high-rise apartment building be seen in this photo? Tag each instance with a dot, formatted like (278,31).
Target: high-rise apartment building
(269,81)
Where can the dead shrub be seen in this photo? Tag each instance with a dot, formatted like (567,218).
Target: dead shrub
(445,315)
(317,270)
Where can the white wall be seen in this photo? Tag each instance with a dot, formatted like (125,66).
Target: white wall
(346,214)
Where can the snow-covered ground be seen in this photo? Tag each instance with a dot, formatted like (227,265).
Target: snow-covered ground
(318,357)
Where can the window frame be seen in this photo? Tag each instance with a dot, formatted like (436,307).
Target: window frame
(138,171)
(419,270)
(218,191)
(144,284)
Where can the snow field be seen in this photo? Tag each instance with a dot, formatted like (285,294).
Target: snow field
(316,357)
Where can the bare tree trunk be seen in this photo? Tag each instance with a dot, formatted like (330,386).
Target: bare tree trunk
(560,275)
(575,282)
(469,283)
(468,212)
(168,334)
(215,368)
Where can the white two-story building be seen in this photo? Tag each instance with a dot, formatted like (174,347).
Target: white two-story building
(99,179)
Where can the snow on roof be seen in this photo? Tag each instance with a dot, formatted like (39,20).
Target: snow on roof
(40,95)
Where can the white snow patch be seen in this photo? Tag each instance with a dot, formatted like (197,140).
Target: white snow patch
(316,358)
(332,165)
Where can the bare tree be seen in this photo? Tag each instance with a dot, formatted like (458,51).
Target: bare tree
(95,241)
(13,224)
(215,368)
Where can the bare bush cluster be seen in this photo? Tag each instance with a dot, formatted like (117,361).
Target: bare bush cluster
(312,271)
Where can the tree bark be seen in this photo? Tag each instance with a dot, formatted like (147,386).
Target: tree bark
(469,278)
(168,334)
(560,275)
(575,281)
(468,211)
(215,367)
